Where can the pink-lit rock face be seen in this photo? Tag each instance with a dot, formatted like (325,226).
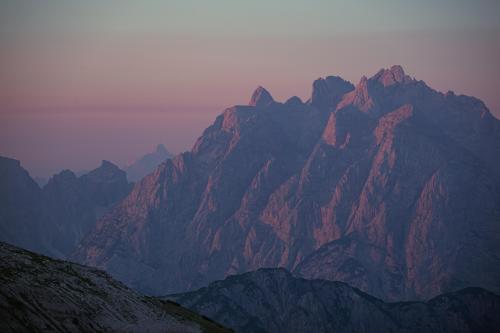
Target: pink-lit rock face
(394,75)
(261,97)
(390,186)
(327,92)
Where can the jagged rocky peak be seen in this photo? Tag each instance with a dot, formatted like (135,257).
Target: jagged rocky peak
(359,97)
(65,174)
(19,205)
(294,101)
(261,97)
(147,163)
(13,174)
(106,170)
(327,92)
(9,162)
(390,76)
(108,165)
(107,184)
(160,148)
(11,170)
(63,178)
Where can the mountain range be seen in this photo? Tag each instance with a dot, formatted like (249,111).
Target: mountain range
(272,300)
(41,294)
(54,219)
(389,186)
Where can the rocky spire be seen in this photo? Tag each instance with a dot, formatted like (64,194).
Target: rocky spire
(261,97)
(391,76)
(360,97)
(160,148)
(327,92)
(294,101)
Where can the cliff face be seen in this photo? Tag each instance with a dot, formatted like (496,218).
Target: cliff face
(39,294)
(272,300)
(390,186)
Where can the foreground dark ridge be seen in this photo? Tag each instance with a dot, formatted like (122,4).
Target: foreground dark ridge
(390,186)
(39,294)
(273,301)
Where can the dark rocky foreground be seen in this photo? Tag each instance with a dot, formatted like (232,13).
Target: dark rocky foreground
(39,294)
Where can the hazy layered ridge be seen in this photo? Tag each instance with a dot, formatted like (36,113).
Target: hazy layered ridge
(147,163)
(408,173)
(41,294)
(272,300)
(20,206)
(54,219)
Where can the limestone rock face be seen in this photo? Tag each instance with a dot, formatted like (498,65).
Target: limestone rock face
(390,186)
(272,300)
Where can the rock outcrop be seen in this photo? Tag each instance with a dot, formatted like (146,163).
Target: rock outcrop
(260,97)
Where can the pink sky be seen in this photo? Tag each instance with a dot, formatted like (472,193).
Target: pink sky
(85,82)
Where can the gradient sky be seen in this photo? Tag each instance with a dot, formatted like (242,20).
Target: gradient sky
(82,81)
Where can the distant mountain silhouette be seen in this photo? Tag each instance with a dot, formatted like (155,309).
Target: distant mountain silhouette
(388,185)
(274,301)
(54,219)
(20,206)
(147,163)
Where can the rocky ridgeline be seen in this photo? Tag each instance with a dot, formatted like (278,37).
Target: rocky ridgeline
(272,300)
(389,185)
